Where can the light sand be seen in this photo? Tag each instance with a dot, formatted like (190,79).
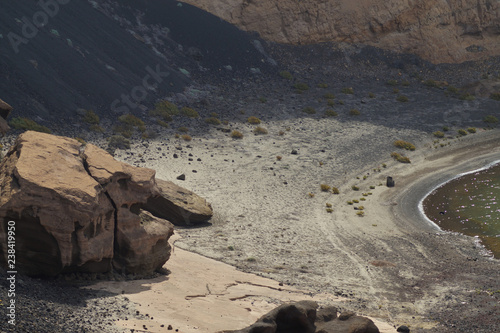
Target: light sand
(390,264)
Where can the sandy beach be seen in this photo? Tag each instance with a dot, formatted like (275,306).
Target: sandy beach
(271,220)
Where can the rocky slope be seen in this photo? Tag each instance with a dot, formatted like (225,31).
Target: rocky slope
(437,30)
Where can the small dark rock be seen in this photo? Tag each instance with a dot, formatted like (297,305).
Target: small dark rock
(176,156)
(390,182)
(403,329)
(295,152)
(181,177)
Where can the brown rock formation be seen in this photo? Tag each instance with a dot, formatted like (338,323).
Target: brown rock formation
(180,206)
(302,317)
(76,208)
(5,110)
(437,30)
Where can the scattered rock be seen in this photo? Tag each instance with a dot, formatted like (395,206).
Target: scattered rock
(294,152)
(181,177)
(5,110)
(390,182)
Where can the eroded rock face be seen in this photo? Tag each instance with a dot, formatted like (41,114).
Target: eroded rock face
(437,30)
(181,206)
(75,208)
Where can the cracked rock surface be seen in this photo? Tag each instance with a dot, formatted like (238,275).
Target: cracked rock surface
(76,208)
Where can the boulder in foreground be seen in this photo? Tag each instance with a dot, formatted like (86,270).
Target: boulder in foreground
(75,208)
(303,317)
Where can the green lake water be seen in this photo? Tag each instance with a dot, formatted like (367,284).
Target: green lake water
(469,204)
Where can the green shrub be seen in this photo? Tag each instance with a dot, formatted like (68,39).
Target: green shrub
(354,112)
(253,120)
(371,95)
(467,97)
(355,188)
(259,130)
(330,102)
(335,190)
(446,128)
(438,134)
(262,99)
(404,144)
(132,120)
(400,158)
(183,129)
(286,75)
(236,134)
(395,91)
(452,90)
(471,130)
(165,109)
(186,137)
(331,113)
(329,210)
(325,188)
(212,121)
(462,132)
(329,96)
(301,86)
(119,141)
(347,91)
(322,85)
(188,112)
(405,83)
(402,98)
(90,117)
(162,123)
(490,119)
(392,83)
(125,130)
(28,125)
(495,96)
(309,110)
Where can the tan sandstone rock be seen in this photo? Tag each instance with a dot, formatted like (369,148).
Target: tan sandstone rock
(75,208)
(437,30)
(179,205)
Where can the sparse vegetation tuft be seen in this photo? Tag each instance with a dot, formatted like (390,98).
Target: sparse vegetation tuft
(236,134)
(253,120)
(322,85)
(354,112)
(355,188)
(495,96)
(309,110)
(325,188)
(402,98)
(335,190)
(400,158)
(490,119)
(189,112)
(259,130)
(462,132)
(404,144)
(329,96)
(438,134)
(300,86)
(331,113)
(186,137)
(471,130)
(347,91)
(90,117)
(119,141)
(286,75)
(213,121)
(28,125)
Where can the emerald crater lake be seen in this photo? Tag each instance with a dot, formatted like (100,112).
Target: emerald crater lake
(469,204)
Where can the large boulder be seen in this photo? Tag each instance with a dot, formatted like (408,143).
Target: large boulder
(179,205)
(75,208)
(302,317)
